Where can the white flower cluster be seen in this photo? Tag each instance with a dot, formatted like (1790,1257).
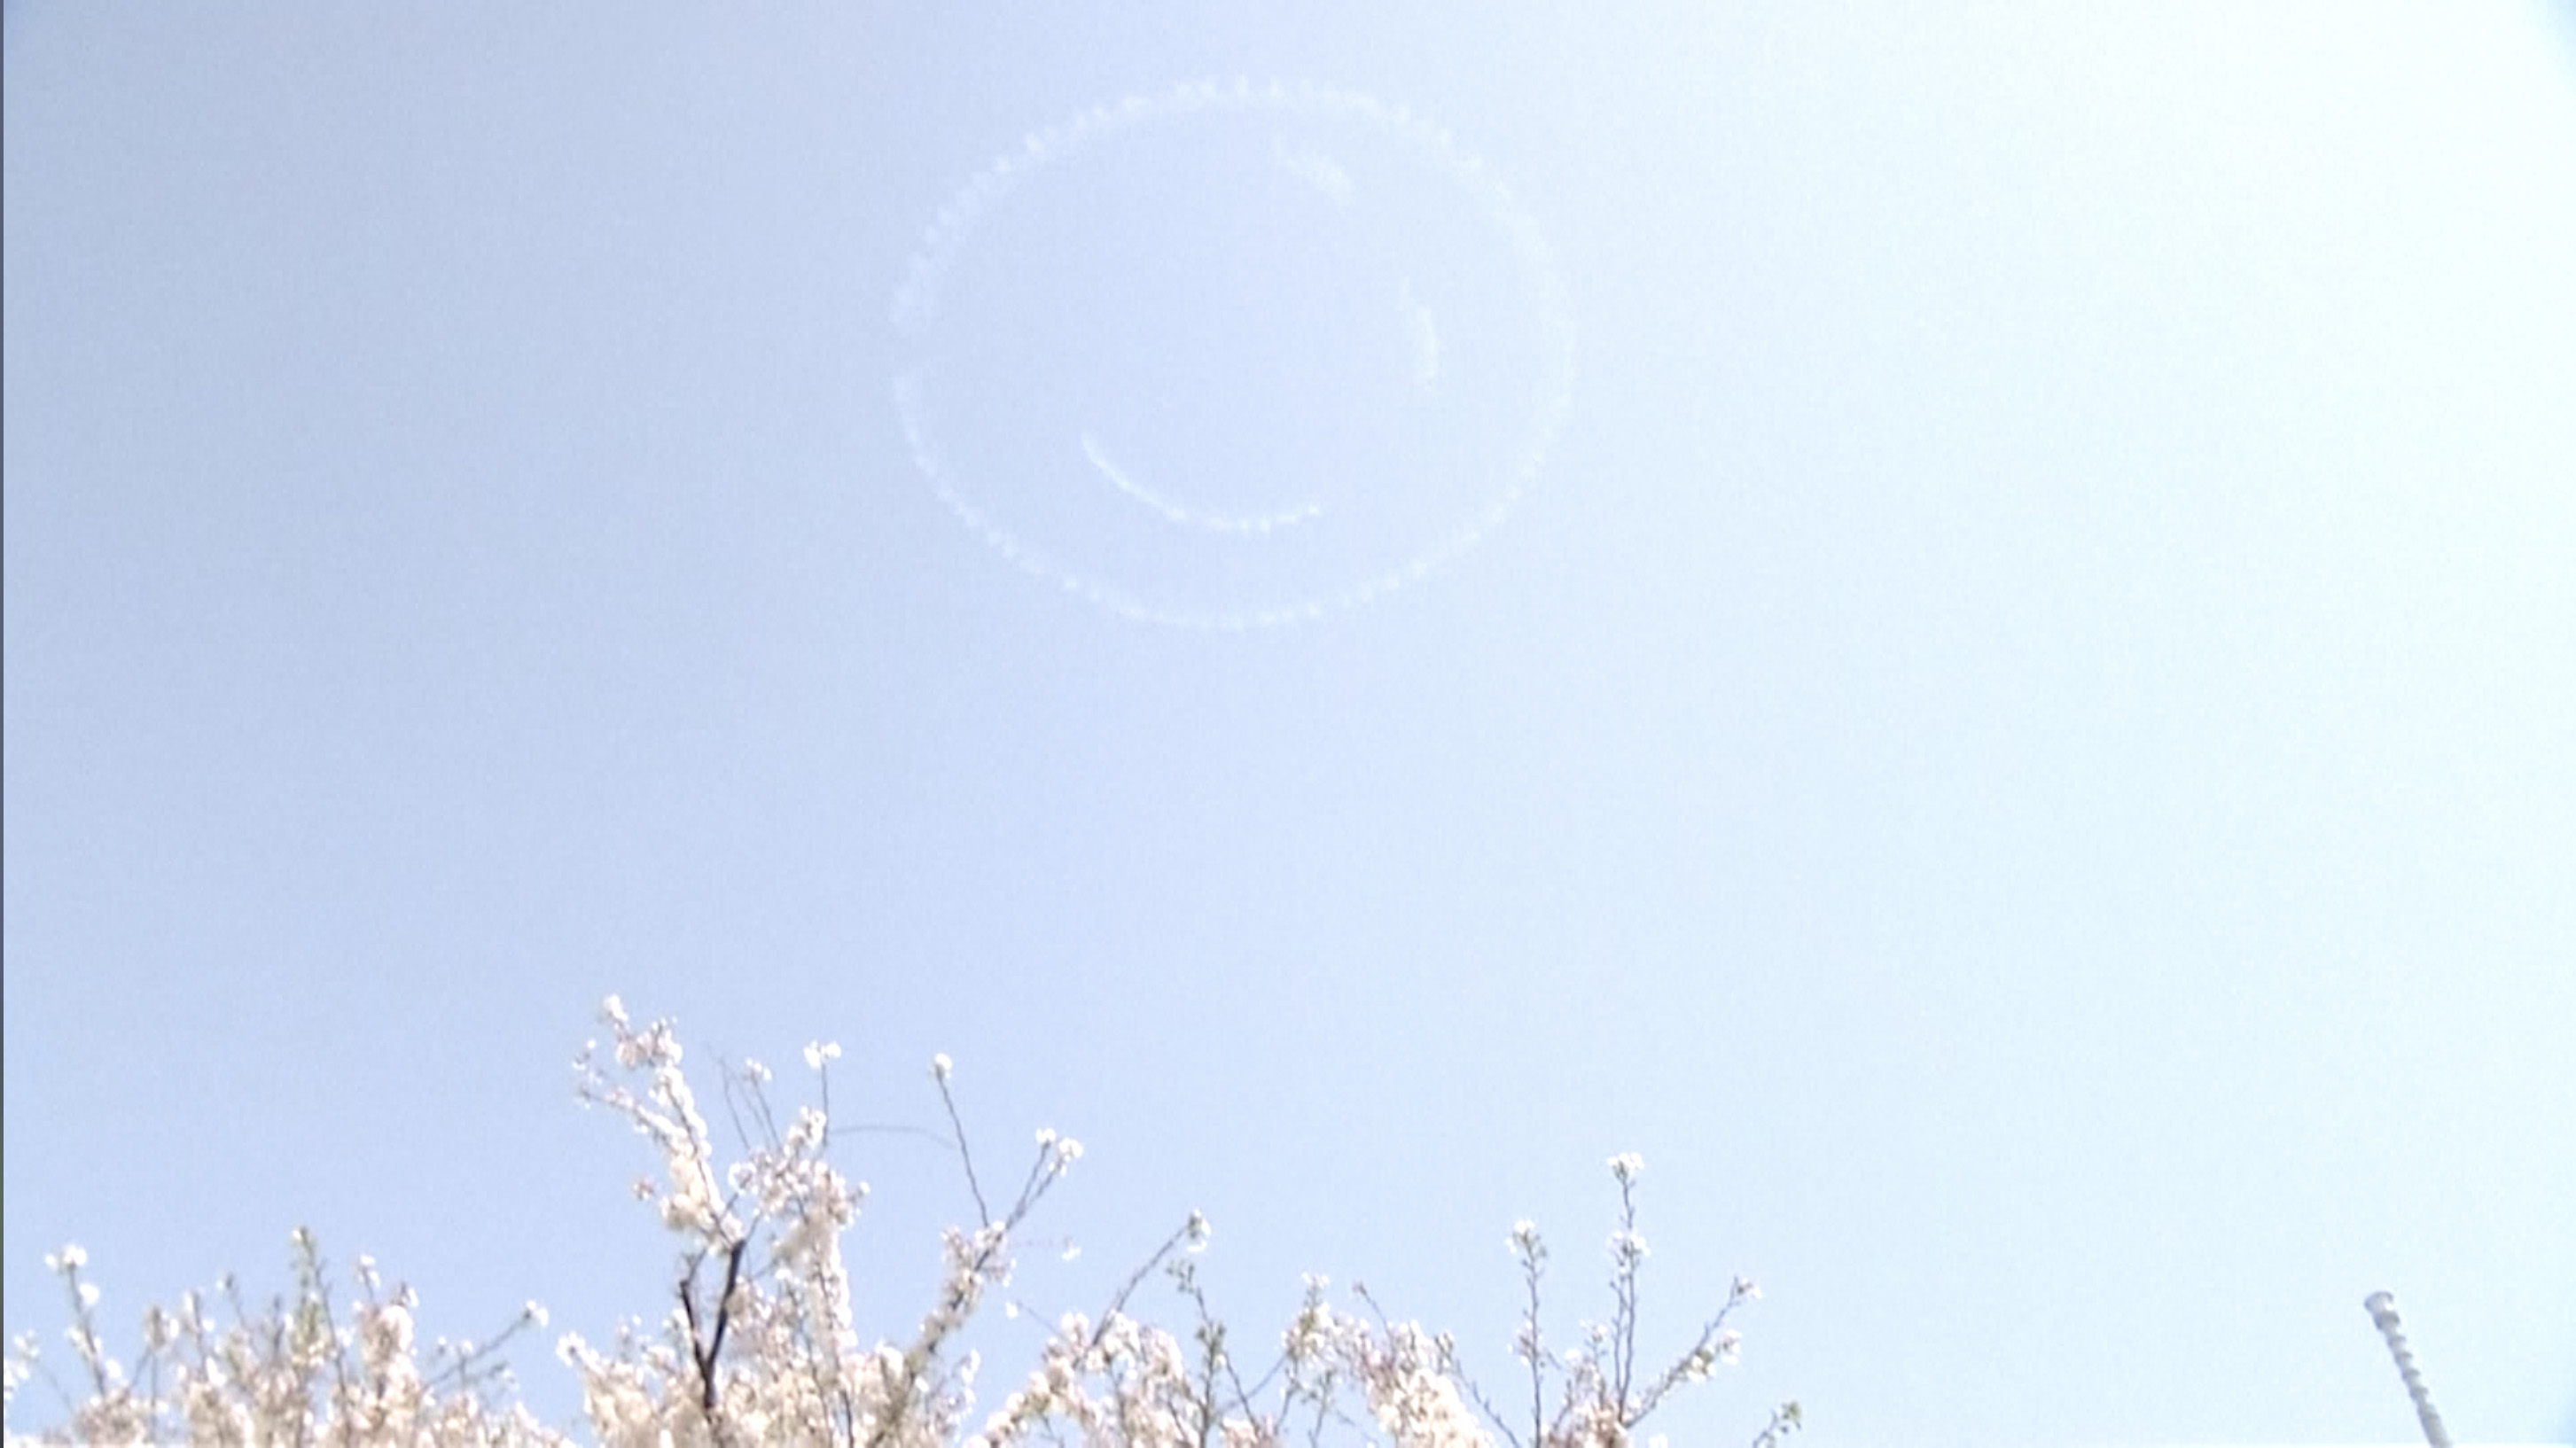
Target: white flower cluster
(293,1373)
(759,1346)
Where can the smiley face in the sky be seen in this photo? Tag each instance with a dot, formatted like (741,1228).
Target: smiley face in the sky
(1234,356)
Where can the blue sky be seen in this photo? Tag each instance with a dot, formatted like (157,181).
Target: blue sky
(2011,736)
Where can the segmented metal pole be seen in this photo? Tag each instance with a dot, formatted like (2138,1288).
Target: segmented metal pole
(2383,1311)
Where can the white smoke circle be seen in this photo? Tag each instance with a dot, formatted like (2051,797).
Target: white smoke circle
(1234,356)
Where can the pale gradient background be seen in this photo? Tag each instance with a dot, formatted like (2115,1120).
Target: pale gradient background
(2021,749)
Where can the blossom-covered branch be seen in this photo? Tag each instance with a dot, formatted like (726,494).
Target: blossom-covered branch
(758,1344)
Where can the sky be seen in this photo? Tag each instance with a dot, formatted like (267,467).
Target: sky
(1957,625)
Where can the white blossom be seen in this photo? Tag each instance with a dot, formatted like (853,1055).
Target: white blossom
(761,1243)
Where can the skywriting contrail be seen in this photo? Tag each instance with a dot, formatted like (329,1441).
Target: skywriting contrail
(1191,517)
(2383,1312)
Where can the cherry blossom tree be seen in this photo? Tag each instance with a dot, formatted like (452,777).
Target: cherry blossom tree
(756,1345)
